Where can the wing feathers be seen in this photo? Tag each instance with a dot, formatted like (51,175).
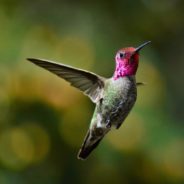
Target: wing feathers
(91,84)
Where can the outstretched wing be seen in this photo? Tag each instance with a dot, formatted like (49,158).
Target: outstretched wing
(91,84)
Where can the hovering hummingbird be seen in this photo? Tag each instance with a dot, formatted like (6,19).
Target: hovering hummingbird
(114,97)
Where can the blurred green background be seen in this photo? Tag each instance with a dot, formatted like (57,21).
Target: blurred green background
(43,120)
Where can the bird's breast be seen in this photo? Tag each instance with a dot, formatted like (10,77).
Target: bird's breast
(120,89)
(119,97)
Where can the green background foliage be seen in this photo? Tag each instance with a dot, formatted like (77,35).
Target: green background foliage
(43,120)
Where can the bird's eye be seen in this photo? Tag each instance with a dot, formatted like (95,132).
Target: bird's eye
(121,54)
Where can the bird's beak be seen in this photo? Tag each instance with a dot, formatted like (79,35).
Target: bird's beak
(141,46)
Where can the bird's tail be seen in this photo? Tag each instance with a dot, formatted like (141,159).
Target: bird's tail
(90,143)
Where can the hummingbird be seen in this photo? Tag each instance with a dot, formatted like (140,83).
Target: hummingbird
(114,97)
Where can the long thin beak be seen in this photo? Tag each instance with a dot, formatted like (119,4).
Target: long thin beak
(141,46)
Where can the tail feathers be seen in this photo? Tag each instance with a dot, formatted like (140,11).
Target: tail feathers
(88,146)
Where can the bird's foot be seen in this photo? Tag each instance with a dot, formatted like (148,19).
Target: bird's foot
(108,124)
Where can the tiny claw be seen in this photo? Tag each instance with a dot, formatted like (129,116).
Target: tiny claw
(108,125)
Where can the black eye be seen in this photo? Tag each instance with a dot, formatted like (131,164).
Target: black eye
(121,54)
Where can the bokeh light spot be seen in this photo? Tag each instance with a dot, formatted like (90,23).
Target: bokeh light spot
(129,136)
(41,140)
(16,148)
(23,146)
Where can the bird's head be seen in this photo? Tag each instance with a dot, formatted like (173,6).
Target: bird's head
(127,60)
